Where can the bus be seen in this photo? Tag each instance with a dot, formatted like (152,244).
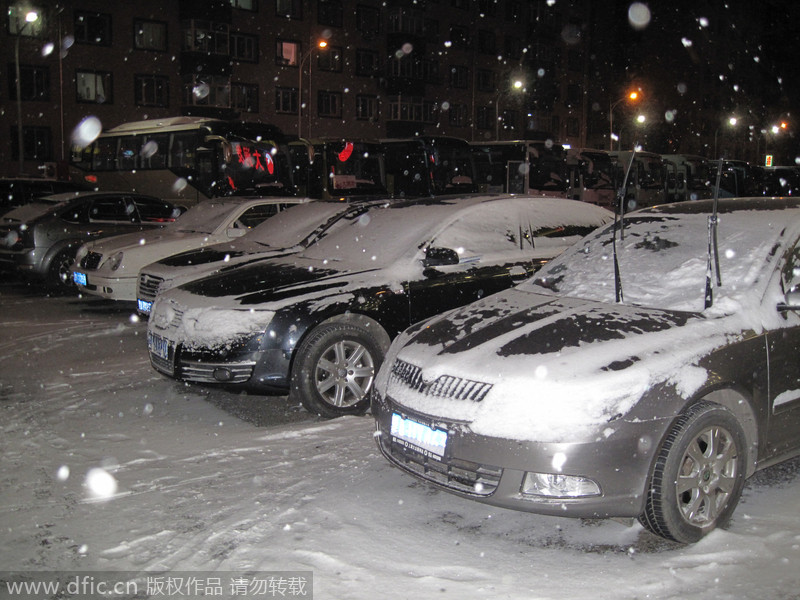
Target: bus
(593,176)
(647,182)
(428,166)
(187,159)
(338,169)
(688,177)
(521,167)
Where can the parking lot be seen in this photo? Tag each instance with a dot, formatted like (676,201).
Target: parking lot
(108,466)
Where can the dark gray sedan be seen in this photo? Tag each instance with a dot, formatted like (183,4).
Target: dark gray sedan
(645,373)
(41,239)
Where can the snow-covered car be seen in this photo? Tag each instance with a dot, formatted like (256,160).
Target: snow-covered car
(110,267)
(288,232)
(644,373)
(41,239)
(317,323)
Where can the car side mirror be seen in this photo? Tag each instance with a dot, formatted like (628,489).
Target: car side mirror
(235,232)
(438,257)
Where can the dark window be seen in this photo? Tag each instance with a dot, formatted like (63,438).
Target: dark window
(485,117)
(460,37)
(244,97)
(151,90)
(93,28)
(366,108)
(330,59)
(37,143)
(244,47)
(458,115)
(368,21)
(153,210)
(366,63)
(286,100)
(329,104)
(149,35)
(487,7)
(486,82)
(512,47)
(329,12)
(289,8)
(459,77)
(34,83)
(94,87)
(486,42)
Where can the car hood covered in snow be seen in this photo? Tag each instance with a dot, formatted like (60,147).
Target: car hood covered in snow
(558,367)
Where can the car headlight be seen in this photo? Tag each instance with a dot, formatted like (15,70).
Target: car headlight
(114,261)
(554,485)
(81,254)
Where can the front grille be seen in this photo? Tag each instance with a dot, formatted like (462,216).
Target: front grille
(91,261)
(161,364)
(444,386)
(201,372)
(459,475)
(148,286)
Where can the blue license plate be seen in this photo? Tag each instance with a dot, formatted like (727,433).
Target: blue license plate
(144,306)
(418,436)
(159,347)
(79,278)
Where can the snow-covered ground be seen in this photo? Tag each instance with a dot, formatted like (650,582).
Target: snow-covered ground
(107,466)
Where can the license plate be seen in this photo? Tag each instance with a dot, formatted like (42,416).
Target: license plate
(159,347)
(79,278)
(418,436)
(144,306)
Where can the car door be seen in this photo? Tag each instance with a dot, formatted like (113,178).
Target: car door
(492,256)
(784,368)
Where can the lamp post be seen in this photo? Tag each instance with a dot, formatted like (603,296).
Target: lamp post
(303,59)
(732,122)
(30,17)
(517,85)
(611,107)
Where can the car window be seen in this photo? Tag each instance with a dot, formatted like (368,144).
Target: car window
(255,215)
(152,210)
(112,209)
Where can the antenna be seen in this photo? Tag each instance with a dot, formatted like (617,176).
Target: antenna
(618,218)
(713,245)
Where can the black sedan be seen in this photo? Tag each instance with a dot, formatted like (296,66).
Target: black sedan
(318,323)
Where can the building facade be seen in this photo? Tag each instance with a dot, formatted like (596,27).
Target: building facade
(474,69)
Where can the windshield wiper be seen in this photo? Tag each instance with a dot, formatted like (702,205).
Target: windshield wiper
(713,245)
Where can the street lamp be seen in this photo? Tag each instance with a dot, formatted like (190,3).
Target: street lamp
(611,107)
(517,85)
(30,17)
(732,122)
(321,44)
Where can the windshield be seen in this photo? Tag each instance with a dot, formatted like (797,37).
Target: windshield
(204,217)
(292,226)
(663,260)
(375,238)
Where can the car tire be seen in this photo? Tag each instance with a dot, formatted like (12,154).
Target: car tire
(335,369)
(698,476)
(58,272)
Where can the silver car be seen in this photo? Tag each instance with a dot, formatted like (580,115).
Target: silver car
(41,239)
(644,373)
